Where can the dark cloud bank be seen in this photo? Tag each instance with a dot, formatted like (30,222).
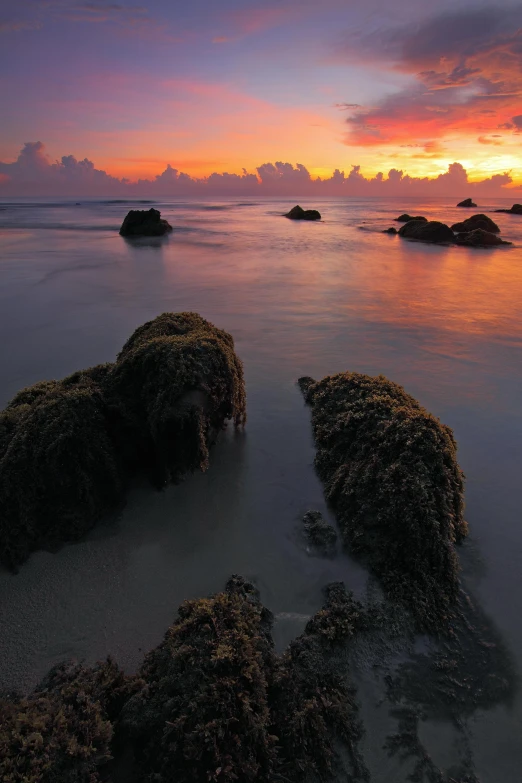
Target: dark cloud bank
(35,174)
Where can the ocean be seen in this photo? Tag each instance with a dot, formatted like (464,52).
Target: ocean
(299,299)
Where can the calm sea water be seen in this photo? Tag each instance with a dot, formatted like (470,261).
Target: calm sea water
(299,298)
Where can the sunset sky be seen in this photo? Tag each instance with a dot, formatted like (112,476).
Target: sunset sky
(226,85)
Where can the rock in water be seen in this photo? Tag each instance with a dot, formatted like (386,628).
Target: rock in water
(516,209)
(468,202)
(390,231)
(298,213)
(68,448)
(391,474)
(476,221)
(479,238)
(144,223)
(320,534)
(406,218)
(427,231)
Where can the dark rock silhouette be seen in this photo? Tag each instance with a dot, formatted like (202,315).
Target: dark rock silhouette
(390,231)
(479,238)
(320,534)
(516,209)
(468,202)
(406,218)
(391,475)
(298,213)
(144,223)
(427,231)
(69,447)
(476,221)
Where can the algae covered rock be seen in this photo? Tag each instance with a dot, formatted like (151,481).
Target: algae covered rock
(321,536)
(477,221)
(405,218)
(479,238)
(298,213)
(427,231)
(391,474)
(68,448)
(144,223)
(468,202)
(204,704)
(62,732)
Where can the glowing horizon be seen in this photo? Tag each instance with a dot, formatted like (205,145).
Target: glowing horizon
(222,90)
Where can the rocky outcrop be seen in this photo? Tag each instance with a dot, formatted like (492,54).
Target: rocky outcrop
(298,213)
(391,475)
(321,536)
(479,238)
(427,231)
(390,231)
(516,209)
(144,223)
(468,202)
(406,218)
(476,221)
(68,448)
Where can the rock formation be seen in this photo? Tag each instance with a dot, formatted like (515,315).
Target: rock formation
(144,223)
(406,218)
(476,221)
(516,209)
(468,202)
(68,448)
(321,536)
(479,238)
(390,473)
(427,231)
(298,213)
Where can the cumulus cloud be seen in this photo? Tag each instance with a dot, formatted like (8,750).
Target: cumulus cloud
(466,68)
(34,173)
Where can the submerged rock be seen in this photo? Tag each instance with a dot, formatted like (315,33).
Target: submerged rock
(390,231)
(516,209)
(298,213)
(144,223)
(68,448)
(391,474)
(468,202)
(320,534)
(479,238)
(427,231)
(405,218)
(476,221)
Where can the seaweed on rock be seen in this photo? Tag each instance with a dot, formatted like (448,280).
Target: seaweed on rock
(62,732)
(218,704)
(391,474)
(69,447)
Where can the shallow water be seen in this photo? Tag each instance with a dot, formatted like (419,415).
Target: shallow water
(299,299)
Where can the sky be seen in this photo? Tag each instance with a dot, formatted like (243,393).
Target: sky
(336,95)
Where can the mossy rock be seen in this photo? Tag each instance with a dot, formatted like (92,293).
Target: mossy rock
(69,448)
(391,475)
(62,732)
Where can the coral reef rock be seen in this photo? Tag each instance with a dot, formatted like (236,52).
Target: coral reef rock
(298,213)
(391,475)
(427,231)
(68,448)
(144,223)
(476,221)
